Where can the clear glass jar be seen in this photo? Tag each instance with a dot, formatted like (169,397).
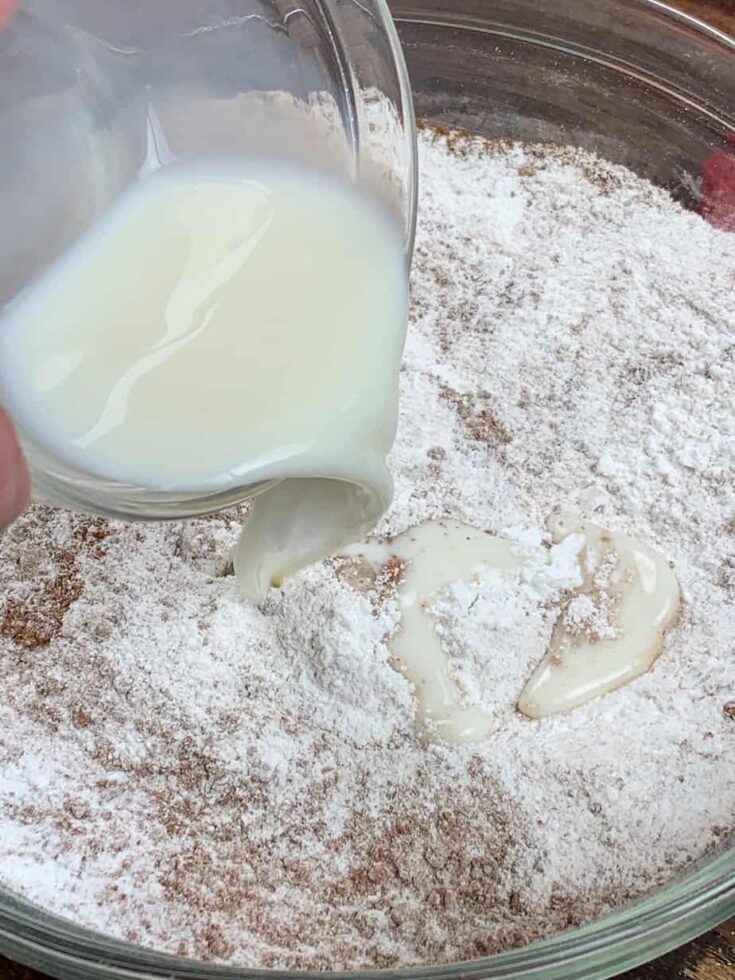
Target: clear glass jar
(89,87)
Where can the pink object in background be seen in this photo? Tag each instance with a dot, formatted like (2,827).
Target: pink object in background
(7,9)
(718,187)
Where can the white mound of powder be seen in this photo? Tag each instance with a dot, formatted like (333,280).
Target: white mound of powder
(244,784)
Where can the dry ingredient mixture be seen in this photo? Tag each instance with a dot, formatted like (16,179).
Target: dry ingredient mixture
(244,784)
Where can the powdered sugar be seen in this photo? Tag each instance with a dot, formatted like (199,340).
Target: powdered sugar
(496,628)
(591,616)
(243,783)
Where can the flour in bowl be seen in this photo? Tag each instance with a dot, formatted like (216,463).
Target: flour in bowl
(245,783)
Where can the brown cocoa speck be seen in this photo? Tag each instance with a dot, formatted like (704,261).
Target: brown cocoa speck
(80,717)
(77,809)
(475,411)
(514,902)
(358,573)
(389,577)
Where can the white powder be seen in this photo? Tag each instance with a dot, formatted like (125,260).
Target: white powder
(496,628)
(243,784)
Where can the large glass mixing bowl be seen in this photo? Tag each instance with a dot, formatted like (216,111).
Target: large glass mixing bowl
(647,87)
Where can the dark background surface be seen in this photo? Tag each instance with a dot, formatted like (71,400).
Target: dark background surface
(712,956)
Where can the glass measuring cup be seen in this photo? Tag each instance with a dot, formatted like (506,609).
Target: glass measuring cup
(91,89)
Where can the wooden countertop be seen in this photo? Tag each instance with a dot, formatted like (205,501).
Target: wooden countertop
(712,956)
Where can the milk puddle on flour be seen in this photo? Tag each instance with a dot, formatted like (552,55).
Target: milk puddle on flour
(626,580)
(222,325)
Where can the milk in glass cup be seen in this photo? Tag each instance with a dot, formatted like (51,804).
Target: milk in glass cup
(208,219)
